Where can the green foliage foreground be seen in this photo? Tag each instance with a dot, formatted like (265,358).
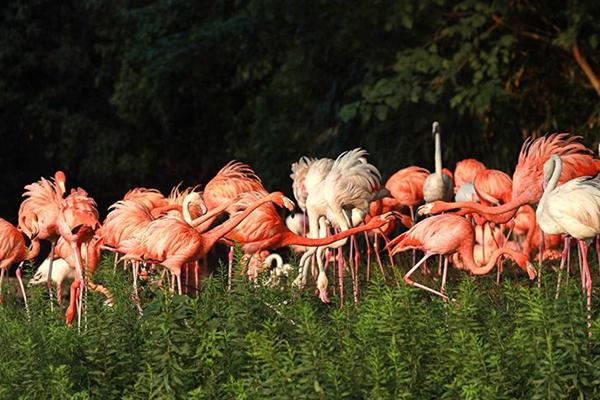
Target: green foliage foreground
(492,342)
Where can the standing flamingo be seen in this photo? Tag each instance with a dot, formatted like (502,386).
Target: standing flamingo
(406,188)
(264,229)
(343,198)
(39,213)
(437,186)
(572,209)
(14,251)
(445,235)
(577,161)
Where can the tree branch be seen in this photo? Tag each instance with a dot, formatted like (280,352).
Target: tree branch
(585,66)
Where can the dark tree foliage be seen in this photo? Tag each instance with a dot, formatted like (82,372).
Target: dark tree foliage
(122,93)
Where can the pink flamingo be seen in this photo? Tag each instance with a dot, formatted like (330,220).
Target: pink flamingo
(14,251)
(445,235)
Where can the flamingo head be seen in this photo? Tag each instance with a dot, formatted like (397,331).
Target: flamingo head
(322,283)
(60,179)
(282,201)
(425,209)
(531,271)
(435,128)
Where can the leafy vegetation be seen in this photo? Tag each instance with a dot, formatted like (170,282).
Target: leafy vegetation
(124,93)
(510,341)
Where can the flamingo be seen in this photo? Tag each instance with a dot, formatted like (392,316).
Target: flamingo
(464,175)
(264,229)
(577,161)
(278,271)
(61,271)
(406,188)
(173,241)
(232,180)
(77,220)
(437,186)
(14,251)
(445,235)
(39,213)
(572,209)
(343,198)
(465,171)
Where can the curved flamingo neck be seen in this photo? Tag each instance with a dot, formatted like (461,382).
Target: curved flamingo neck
(467,256)
(212,236)
(278,260)
(204,221)
(185,209)
(34,250)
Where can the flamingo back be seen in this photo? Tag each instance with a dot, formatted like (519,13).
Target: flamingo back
(440,234)
(465,171)
(406,185)
(39,211)
(298,175)
(126,217)
(493,186)
(529,172)
(232,180)
(150,198)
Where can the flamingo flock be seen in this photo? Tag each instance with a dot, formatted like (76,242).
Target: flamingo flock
(340,201)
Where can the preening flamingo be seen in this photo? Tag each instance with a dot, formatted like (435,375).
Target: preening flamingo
(577,161)
(61,272)
(173,241)
(445,235)
(572,209)
(14,251)
(343,198)
(39,211)
(438,186)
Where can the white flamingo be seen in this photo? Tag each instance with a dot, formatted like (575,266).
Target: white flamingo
(61,271)
(437,186)
(343,198)
(571,209)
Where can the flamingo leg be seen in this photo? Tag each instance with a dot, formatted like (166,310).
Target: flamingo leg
(1,279)
(376,248)
(340,260)
(568,263)
(368,255)
(18,273)
(179,283)
(412,219)
(115,262)
(357,274)
(230,270)
(135,265)
(444,275)
(197,275)
(598,250)
(420,286)
(81,277)
(49,279)
(541,258)
(563,259)
(59,293)
(583,248)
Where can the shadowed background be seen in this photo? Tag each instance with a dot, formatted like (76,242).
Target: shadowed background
(149,93)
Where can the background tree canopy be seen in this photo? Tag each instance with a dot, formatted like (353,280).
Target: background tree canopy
(123,93)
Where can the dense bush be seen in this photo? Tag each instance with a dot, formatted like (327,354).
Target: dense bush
(491,342)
